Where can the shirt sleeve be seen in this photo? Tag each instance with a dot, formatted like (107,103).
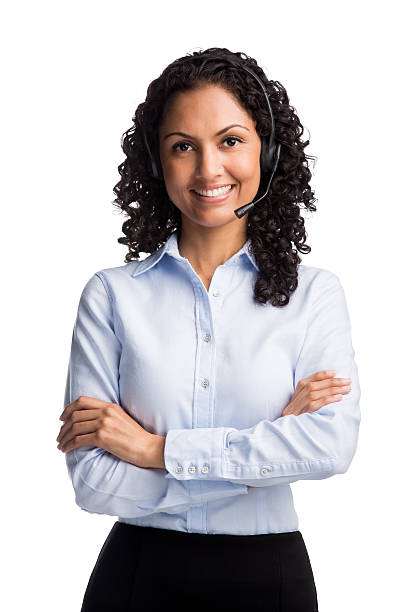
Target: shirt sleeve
(103,483)
(309,446)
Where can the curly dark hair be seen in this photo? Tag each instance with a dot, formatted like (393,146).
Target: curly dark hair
(273,225)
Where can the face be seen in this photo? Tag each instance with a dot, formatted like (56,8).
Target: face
(198,152)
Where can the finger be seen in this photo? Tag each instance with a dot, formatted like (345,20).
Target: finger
(78,429)
(82,402)
(78,415)
(322,393)
(321,375)
(326,400)
(314,400)
(78,441)
(317,376)
(330,383)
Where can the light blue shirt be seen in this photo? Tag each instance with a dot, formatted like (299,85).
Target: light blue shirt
(212,371)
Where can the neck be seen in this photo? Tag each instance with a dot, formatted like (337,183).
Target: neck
(208,248)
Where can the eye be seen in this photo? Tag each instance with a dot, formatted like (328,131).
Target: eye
(180,144)
(184,143)
(232,138)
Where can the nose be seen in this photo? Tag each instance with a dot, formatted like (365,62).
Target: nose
(209,164)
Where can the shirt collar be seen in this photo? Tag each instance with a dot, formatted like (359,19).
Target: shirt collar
(171,248)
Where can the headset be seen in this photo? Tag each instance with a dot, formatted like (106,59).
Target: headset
(270,150)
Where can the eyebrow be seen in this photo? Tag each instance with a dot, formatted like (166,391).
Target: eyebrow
(217,134)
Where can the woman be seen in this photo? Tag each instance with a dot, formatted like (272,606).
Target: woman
(206,378)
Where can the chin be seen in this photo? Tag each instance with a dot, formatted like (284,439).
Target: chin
(211,220)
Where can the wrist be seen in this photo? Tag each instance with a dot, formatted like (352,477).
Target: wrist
(156,452)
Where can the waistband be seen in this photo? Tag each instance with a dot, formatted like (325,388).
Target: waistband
(156,532)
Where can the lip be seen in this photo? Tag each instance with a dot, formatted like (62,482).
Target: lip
(210,187)
(209,199)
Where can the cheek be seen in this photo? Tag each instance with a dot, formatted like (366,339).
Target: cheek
(176,180)
(176,175)
(247,168)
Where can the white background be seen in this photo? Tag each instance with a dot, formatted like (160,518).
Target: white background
(73,74)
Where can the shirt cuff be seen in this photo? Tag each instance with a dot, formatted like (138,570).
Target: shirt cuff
(195,454)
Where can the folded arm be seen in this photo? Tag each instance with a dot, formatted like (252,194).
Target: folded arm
(309,446)
(103,483)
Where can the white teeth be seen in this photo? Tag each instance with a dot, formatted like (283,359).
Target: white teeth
(213,192)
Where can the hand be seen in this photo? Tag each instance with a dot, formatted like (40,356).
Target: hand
(315,391)
(94,422)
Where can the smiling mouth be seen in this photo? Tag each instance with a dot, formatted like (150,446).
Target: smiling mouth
(216,198)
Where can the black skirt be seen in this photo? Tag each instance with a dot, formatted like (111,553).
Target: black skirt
(146,568)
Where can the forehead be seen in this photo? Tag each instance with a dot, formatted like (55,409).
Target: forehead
(208,103)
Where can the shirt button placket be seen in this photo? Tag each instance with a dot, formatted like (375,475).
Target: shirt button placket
(203,396)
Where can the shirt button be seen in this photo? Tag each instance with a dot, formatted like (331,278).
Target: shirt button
(179,469)
(205,469)
(265,471)
(205,382)
(192,469)
(207,338)
(216,293)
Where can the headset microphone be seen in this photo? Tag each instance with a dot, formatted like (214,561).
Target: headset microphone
(270,151)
